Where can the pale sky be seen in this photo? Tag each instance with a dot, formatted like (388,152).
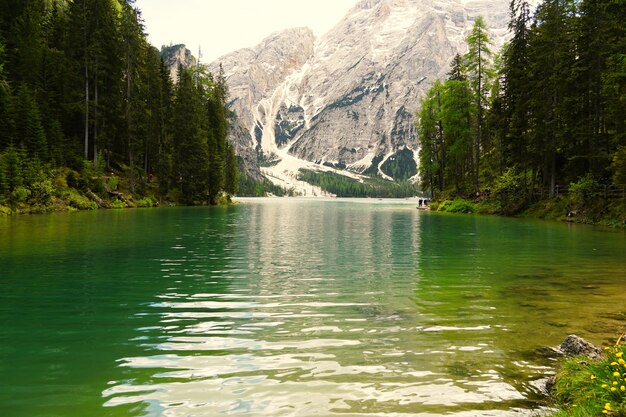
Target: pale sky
(223,26)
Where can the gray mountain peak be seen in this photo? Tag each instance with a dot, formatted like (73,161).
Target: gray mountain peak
(348,99)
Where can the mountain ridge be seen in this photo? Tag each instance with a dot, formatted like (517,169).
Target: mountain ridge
(347,99)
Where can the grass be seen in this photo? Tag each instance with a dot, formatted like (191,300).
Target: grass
(586,388)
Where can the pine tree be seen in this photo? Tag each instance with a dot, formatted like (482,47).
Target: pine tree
(458,111)
(217,140)
(516,90)
(133,75)
(477,61)
(432,147)
(6,119)
(29,130)
(457,69)
(231,174)
(81,37)
(552,54)
(191,158)
(28,44)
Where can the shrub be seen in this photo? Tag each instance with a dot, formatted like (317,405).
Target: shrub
(20,194)
(619,166)
(42,191)
(113,183)
(146,202)
(488,207)
(584,190)
(80,202)
(117,204)
(457,206)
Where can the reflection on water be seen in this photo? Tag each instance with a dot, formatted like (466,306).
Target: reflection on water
(284,307)
(338,309)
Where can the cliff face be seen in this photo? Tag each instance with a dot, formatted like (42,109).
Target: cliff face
(175,55)
(256,76)
(348,99)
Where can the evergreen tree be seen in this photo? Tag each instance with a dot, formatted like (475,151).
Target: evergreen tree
(458,111)
(6,119)
(231,173)
(552,54)
(216,142)
(82,38)
(457,69)
(432,147)
(191,158)
(13,171)
(515,87)
(27,44)
(477,61)
(29,130)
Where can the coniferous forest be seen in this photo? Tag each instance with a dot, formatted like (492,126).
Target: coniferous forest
(544,116)
(90,117)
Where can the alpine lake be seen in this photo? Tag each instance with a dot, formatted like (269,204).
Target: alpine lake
(294,307)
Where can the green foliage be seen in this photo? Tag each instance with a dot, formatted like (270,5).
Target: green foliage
(619,166)
(117,204)
(82,93)
(80,202)
(249,187)
(112,183)
(343,186)
(456,206)
(553,115)
(145,202)
(584,190)
(592,388)
(489,207)
(19,194)
(400,166)
(231,172)
(508,190)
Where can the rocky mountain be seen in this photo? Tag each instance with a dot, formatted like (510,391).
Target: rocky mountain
(348,99)
(175,55)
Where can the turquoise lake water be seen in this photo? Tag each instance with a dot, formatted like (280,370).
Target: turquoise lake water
(294,307)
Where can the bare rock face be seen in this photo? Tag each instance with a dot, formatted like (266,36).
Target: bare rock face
(348,99)
(577,346)
(255,78)
(176,55)
(240,139)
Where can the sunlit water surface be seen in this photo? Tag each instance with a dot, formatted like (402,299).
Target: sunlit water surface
(285,307)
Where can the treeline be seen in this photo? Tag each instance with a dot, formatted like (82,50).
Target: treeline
(84,98)
(343,186)
(547,111)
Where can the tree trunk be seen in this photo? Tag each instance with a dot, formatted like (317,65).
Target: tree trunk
(86,109)
(95,122)
(479,120)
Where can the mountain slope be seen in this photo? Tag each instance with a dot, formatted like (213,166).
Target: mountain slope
(348,99)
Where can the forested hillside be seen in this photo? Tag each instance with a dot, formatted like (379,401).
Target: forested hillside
(89,116)
(545,115)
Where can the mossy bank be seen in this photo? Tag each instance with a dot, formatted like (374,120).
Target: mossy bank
(596,210)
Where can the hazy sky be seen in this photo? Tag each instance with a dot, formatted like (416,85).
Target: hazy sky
(222,26)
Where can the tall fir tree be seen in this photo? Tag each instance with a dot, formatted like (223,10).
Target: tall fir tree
(477,62)
(190,137)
